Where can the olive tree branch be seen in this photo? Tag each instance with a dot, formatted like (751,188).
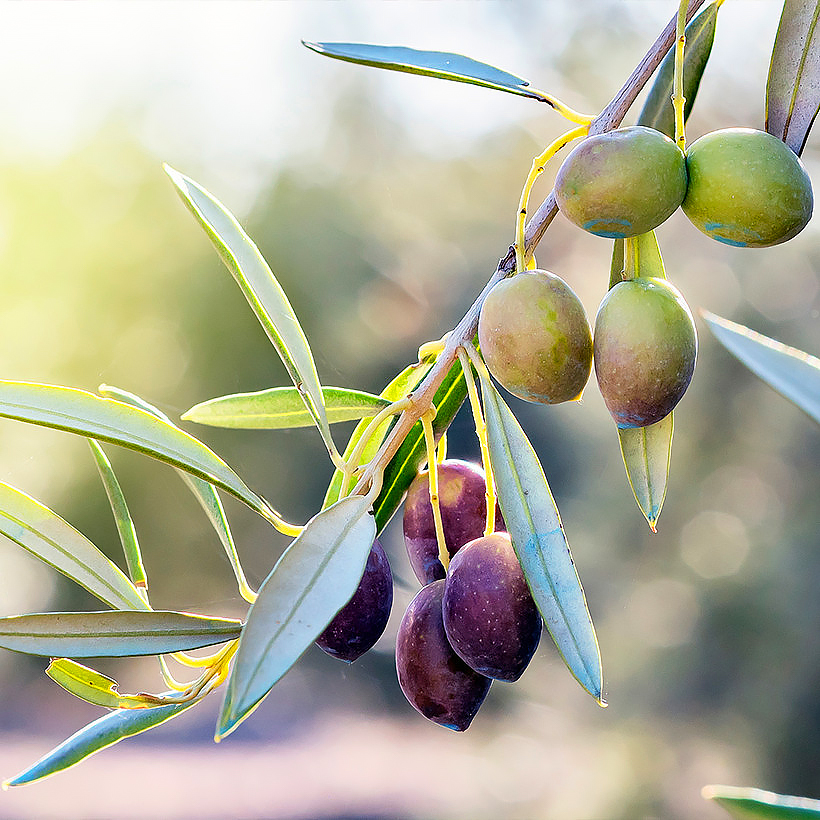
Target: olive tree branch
(611,117)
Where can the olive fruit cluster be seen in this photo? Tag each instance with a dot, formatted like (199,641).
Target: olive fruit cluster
(473,624)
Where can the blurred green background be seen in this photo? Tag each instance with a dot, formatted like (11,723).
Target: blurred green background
(382,202)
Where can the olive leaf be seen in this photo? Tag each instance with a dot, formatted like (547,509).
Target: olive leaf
(42,532)
(756,804)
(442,65)
(122,633)
(279,408)
(204,492)
(657,111)
(793,88)
(263,292)
(793,373)
(540,543)
(77,411)
(98,735)
(315,577)
(94,687)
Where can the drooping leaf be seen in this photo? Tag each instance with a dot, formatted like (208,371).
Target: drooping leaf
(76,411)
(122,633)
(53,540)
(793,373)
(204,492)
(98,735)
(122,517)
(399,387)
(756,804)
(657,111)
(442,65)
(793,88)
(94,687)
(538,537)
(263,292)
(642,256)
(315,577)
(404,465)
(616,266)
(282,407)
(647,452)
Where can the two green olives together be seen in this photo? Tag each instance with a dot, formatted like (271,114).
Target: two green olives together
(739,186)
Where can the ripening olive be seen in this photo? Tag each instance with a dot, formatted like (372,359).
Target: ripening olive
(622,183)
(645,348)
(434,679)
(489,615)
(746,188)
(463,504)
(535,338)
(361,621)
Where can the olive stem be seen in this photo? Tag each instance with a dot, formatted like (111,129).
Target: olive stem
(611,117)
(678,100)
(432,480)
(564,110)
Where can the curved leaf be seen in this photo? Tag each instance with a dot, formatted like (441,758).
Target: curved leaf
(94,687)
(123,633)
(204,492)
(98,735)
(53,540)
(442,65)
(756,804)
(793,88)
(401,386)
(122,517)
(647,452)
(263,292)
(282,407)
(537,534)
(76,411)
(315,577)
(657,111)
(793,373)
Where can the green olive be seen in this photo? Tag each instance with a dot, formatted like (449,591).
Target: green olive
(746,188)
(622,183)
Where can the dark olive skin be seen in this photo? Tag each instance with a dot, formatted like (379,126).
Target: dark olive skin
(361,621)
(746,188)
(434,679)
(490,617)
(463,504)
(535,337)
(622,183)
(645,350)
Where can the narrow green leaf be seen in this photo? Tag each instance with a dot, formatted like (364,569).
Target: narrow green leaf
(793,88)
(537,534)
(793,373)
(282,407)
(616,266)
(54,541)
(315,577)
(442,65)
(122,633)
(657,111)
(76,411)
(94,687)
(401,386)
(98,735)
(263,292)
(756,804)
(412,453)
(122,517)
(647,452)
(204,492)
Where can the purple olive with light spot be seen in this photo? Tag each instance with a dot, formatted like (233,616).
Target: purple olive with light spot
(436,682)
(490,617)
(362,620)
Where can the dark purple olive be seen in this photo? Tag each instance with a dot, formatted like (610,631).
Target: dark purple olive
(434,679)
(361,621)
(489,615)
(463,503)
